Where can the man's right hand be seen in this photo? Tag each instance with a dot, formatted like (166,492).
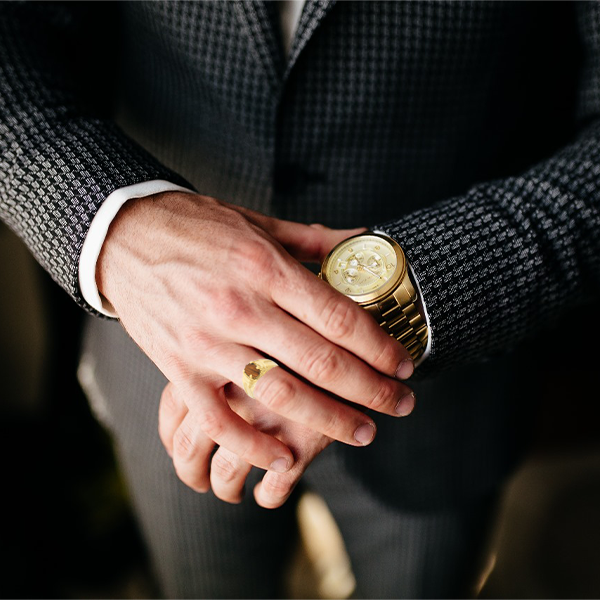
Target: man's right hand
(204,287)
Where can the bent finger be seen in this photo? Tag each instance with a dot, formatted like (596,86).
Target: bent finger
(171,412)
(192,450)
(275,488)
(228,474)
(214,417)
(339,320)
(306,243)
(327,366)
(285,394)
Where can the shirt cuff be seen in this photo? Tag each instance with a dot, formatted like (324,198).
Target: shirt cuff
(423,309)
(90,251)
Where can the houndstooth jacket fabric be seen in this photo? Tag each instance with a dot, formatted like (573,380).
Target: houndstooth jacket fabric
(467,131)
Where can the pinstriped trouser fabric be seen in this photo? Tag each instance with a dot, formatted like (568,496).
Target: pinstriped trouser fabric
(202,547)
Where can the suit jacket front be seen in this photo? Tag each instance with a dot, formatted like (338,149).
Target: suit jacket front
(467,130)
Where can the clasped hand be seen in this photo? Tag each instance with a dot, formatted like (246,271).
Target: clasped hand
(204,287)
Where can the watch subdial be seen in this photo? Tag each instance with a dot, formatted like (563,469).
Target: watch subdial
(375,263)
(350,275)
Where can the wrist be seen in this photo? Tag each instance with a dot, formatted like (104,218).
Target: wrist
(121,229)
(98,230)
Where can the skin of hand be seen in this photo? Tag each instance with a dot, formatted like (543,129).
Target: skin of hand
(204,287)
(224,471)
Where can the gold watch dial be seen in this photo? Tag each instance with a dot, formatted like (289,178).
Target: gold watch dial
(365,266)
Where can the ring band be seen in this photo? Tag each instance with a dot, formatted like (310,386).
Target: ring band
(253,371)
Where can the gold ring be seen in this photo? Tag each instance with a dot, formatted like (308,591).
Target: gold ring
(253,371)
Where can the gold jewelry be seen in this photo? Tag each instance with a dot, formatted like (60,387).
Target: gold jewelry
(371,269)
(253,371)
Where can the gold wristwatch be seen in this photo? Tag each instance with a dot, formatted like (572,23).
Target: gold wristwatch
(371,269)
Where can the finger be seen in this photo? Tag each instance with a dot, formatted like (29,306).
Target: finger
(228,474)
(192,450)
(273,492)
(291,398)
(171,412)
(329,367)
(275,488)
(213,417)
(317,360)
(284,394)
(306,243)
(340,320)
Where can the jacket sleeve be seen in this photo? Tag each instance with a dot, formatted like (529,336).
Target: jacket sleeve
(60,153)
(514,255)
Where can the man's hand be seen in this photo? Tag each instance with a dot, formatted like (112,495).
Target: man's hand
(204,287)
(224,471)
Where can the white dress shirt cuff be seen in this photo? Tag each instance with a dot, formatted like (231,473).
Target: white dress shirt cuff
(423,310)
(96,235)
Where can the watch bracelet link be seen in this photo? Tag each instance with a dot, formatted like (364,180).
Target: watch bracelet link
(406,324)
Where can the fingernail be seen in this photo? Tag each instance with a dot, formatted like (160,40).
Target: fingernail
(280,465)
(365,433)
(405,369)
(406,405)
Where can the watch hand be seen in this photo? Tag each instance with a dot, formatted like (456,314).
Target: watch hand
(363,268)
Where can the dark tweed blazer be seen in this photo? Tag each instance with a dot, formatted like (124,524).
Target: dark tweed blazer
(467,130)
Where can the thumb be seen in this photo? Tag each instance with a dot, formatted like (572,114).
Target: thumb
(310,243)
(306,243)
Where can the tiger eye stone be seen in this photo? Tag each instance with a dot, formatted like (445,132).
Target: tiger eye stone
(252,370)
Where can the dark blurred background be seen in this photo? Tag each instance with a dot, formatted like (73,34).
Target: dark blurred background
(67,530)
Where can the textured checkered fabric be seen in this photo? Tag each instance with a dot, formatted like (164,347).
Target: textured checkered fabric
(467,130)
(382,112)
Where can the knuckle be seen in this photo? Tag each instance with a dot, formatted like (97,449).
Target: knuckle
(175,368)
(283,273)
(202,352)
(224,468)
(252,452)
(276,486)
(169,401)
(389,356)
(275,393)
(333,425)
(193,480)
(196,339)
(337,318)
(322,364)
(257,255)
(231,306)
(183,443)
(382,399)
(212,424)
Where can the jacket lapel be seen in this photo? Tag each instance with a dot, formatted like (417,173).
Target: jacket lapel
(259,20)
(313,13)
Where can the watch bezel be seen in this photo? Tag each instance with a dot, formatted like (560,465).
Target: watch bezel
(389,286)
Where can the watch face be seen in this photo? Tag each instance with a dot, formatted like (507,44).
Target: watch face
(364,266)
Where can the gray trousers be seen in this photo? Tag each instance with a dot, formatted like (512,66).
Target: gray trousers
(204,548)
